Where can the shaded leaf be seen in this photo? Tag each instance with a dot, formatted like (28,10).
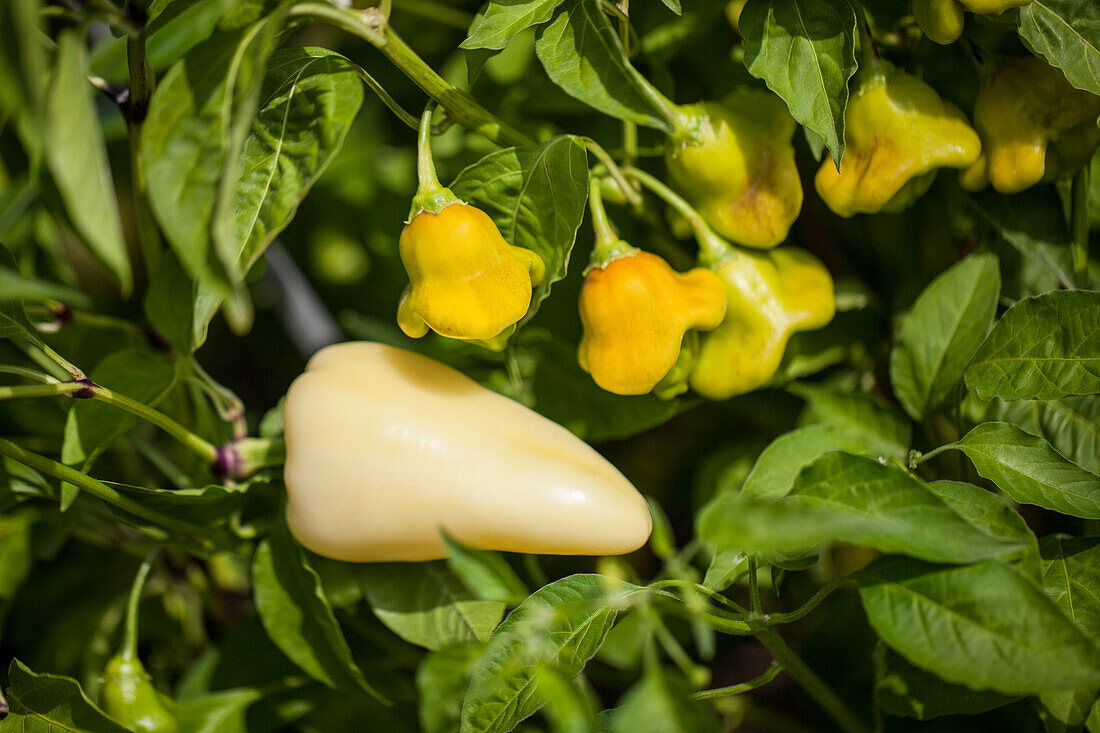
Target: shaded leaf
(1067,34)
(46,703)
(1071,577)
(484,572)
(885,431)
(1071,425)
(904,690)
(662,701)
(17,287)
(170,303)
(441,681)
(218,712)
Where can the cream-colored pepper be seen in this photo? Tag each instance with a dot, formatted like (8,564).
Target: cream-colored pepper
(386,447)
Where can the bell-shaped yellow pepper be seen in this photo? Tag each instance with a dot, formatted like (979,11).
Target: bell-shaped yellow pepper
(741,174)
(769,297)
(635,311)
(465,281)
(1034,125)
(942,20)
(898,132)
(386,447)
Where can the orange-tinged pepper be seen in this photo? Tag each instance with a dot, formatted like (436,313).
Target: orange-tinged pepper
(635,311)
(898,132)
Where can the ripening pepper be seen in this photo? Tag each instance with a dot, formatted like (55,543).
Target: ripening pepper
(130,697)
(741,174)
(942,20)
(465,280)
(635,310)
(898,132)
(386,447)
(769,297)
(1034,125)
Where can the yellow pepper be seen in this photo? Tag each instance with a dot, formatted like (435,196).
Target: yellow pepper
(898,132)
(386,447)
(741,174)
(1035,126)
(769,297)
(942,20)
(635,311)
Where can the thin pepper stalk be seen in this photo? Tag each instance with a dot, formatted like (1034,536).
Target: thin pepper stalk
(431,195)
(608,246)
(1079,214)
(712,248)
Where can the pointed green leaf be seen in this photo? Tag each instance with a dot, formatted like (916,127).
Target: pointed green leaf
(884,430)
(778,466)
(1071,425)
(662,701)
(47,703)
(484,572)
(502,20)
(1067,34)
(905,690)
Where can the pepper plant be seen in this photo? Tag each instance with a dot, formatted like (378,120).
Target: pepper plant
(816,277)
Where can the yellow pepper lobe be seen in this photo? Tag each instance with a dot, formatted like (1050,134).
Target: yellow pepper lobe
(897,129)
(465,280)
(386,447)
(769,297)
(941,20)
(635,311)
(1034,125)
(741,175)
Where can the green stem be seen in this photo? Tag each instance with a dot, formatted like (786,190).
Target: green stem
(199,446)
(27,373)
(50,389)
(141,91)
(613,170)
(161,462)
(431,195)
(608,246)
(785,618)
(770,674)
(712,248)
(754,587)
(382,94)
(1079,215)
(837,709)
(130,634)
(916,459)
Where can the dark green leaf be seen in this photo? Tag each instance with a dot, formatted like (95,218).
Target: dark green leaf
(1034,224)
(219,712)
(207,506)
(1030,471)
(502,20)
(46,703)
(297,616)
(485,573)
(989,513)
(441,681)
(1071,425)
(984,626)
(778,465)
(1042,348)
(77,156)
(804,50)
(563,625)
(15,552)
(170,303)
(583,55)
(23,71)
(662,701)
(907,691)
(1071,577)
(885,431)
(941,333)
(1067,34)
(536,195)
(845,498)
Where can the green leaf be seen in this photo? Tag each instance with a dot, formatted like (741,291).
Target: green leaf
(298,618)
(941,333)
(1071,425)
(986,511)
(904,690)
(804,50)
(77,156)
(1030,471)
(17,287)
(23,71)
(309,98)
(662,701)
(46,703)
(725,568)
(170,303)
(775,470)
(1067,34)
(1071,577)
(502,20)
(485,573)
(1042,348)
(1034,224)
(563,625)
(570,706)
(441,681)
(583,55)
(218,712)
(426,605)
(536,195)
(884,430)
(845,498)
(984,626)
(208,506)
(16,556)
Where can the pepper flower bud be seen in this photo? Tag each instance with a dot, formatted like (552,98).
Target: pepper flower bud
(898,132)
(741,174)
(1034,125)
(386,447)
(635,311)
(769,296)
(465,280)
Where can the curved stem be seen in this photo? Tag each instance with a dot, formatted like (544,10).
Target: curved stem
(199,446)
(383,95)
(431,195)
(130,634)
(712,248)
(785,618)
(608,246)
(770,674)
(1079,215)
(27,373)
(613,170)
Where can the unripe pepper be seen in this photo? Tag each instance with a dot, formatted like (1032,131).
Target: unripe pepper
(942,20)
(769,297)
(898,132)
(741,174)
(1034,126)
(465,280)
(386,447)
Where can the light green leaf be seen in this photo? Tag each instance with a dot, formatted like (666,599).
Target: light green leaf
(1071,425)
(1030,471)
(941,333)
(46,703)
(662,701)
(1042,348)
(426,605)
(218,712)
(502,20)
(485,573)
(17,287)
(583,55)
(804,50)
(441,681)
(570,707)
(884,430)
(904,690)
(984,626)
(77,156)
(986,511)
(563,625)
(775,470)
(1067,34)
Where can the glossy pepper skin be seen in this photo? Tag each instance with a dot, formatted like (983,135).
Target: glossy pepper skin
(769,297)
(1034,126)
(898,132)
(386,447)
(465,280)
(942,20)
(130,697)
(635,311)
(741,174)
